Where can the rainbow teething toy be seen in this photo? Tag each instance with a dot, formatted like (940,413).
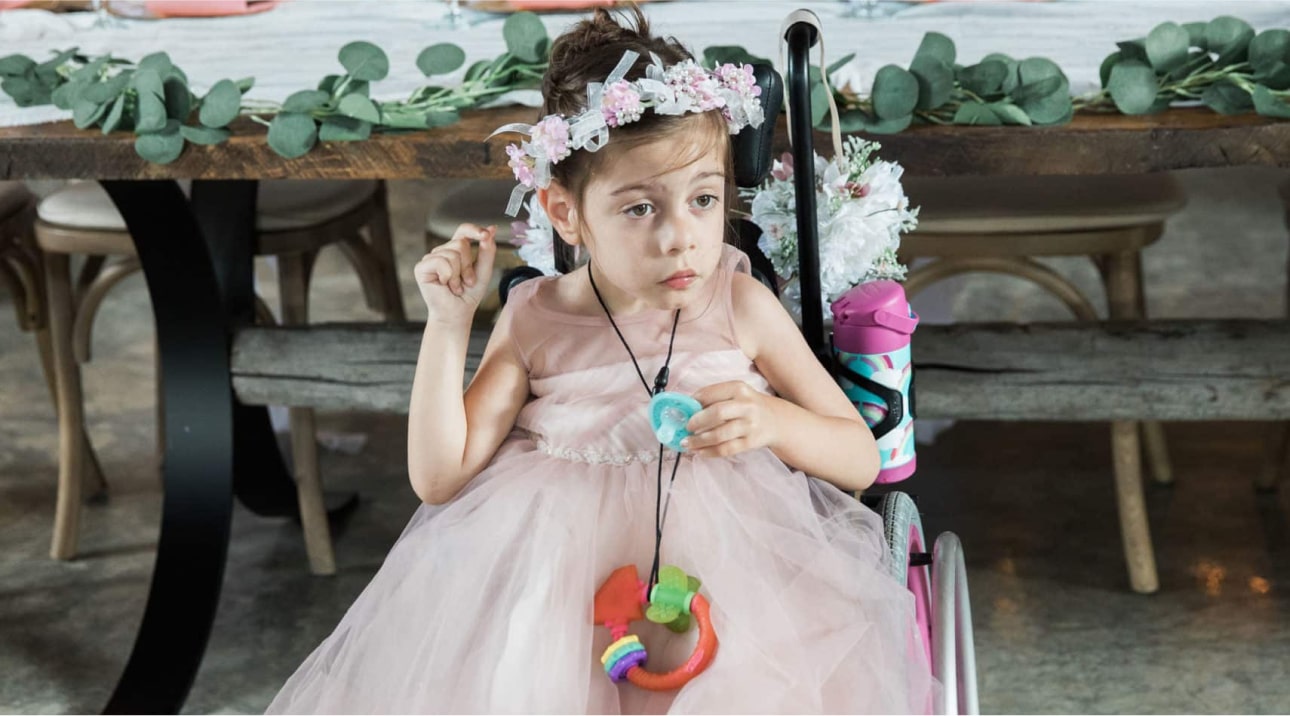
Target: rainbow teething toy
(672,602)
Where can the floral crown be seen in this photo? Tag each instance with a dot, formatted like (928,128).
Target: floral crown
(680,89)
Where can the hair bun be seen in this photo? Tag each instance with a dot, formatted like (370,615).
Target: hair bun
(589,51)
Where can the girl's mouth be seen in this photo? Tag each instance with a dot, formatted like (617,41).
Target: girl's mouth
(680,279)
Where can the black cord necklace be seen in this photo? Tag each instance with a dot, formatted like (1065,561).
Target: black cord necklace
(660,383)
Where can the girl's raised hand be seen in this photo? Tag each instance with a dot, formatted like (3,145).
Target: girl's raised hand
(735,418)
(452,279)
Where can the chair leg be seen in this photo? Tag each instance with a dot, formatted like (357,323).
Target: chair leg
(71,421)
(382,243)
(95,484)
(1122,272)
(1134,530)
(293,284)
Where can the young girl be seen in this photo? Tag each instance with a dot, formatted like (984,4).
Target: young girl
(546,477)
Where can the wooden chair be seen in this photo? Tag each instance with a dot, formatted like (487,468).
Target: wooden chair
(481,202)
(1276,464)
(1001,224)
(295,220)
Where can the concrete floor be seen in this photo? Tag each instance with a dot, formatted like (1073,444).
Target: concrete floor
(1057,629)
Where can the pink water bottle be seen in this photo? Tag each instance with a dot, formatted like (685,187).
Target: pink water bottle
(872,325)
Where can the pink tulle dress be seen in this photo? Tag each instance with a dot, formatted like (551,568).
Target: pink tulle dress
(485,603)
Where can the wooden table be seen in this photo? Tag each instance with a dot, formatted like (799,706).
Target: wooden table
(196,255)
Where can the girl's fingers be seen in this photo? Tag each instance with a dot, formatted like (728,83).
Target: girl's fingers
(726,432)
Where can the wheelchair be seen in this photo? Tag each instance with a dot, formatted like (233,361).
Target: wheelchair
(937,578)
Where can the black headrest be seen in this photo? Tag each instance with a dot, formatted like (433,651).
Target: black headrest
(752,146)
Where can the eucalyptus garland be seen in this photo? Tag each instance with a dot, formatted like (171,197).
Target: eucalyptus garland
(1222,64)
(152,98)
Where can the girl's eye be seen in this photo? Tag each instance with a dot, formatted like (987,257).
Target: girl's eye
(707,201)
(639,210)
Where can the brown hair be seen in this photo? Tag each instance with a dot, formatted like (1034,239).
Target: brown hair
(587,53)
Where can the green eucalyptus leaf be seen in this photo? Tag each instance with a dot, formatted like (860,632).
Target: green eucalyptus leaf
(890,126)
(150,114)
(158,62)
(1104,72)
(163,146)
(47,72)
(974,113)
(717,55)
(305,101)
(895,92)
(221,105)
(440,119)
(984,78)
(245,84)
(66,95)
(1230,37)
(1133,87)
(440,59)
(1226,98)
(854,120)
(1038,89)
(149,81)
(359,87)
(207,136)
(359,107)
(1010,113)
(16,65)
(89,72)
(114,115)
(104,92)
(1134,50)
(936,46)
(1167,46)
(834,67)
(1196,34)
(1276,77)
(292,134)
(477,70)
(1195,60)
(1036,69)
(21,89)
(1269,48)
(525,37)
(1011,81)
(1268,104)
(178,99)
(935,82)
(328,84)
(344,129)
(1053,108)
(819,103)
(86,113)
(364,61)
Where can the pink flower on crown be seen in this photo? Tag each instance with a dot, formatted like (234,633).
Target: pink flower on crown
(621,104)
(521,164)
(739,79)
(690,80)
(551,136)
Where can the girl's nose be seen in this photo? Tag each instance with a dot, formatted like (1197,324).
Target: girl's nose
(676,235)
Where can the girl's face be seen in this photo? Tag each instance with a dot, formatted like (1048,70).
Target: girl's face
(652,221)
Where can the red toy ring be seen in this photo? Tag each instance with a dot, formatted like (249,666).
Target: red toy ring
(619,602)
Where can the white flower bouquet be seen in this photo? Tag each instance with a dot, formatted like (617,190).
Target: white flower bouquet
(861,212)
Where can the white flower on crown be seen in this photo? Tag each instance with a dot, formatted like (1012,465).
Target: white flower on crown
(536,238)
(861,211)
(680,89)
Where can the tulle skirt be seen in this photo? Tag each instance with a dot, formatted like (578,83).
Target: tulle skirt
(485,604)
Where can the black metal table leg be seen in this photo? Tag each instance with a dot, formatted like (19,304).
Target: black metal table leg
(197,262)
